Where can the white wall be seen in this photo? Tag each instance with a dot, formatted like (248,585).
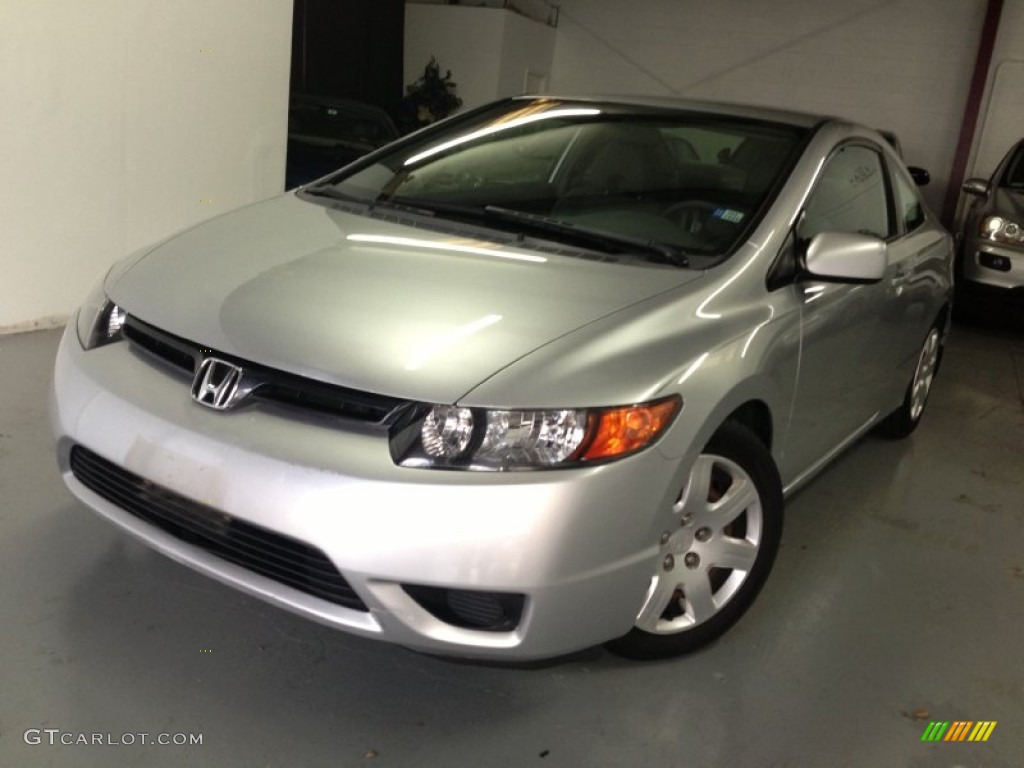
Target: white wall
(465,40)
(904,65)
(1002,114)
(123,121)
(528,46)
(488,50)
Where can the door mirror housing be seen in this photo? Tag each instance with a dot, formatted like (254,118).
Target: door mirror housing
(846,257)
(920,175)
(978,187)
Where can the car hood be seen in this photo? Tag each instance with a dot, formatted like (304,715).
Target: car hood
(378,306)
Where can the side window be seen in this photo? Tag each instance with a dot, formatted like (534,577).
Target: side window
(851,196)
(911,211)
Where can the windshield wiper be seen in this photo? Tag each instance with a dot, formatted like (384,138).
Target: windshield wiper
(662,252)
(599,238)
(326,190)
(371,204)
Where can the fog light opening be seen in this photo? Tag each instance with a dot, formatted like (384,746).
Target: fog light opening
(992,261)
(470,609)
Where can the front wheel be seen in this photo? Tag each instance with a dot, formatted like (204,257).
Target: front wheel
(712,562)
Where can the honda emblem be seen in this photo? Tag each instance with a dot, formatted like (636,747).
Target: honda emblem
(216,383)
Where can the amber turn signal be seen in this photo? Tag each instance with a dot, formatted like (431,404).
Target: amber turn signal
(620,431)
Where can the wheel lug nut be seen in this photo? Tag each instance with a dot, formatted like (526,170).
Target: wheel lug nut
(668,563)
(665,537)
(702,534)
(691,559)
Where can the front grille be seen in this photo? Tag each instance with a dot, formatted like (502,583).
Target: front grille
(268,384)
(168,348)
(269,554)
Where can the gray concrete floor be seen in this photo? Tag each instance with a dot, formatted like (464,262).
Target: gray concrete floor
(897,598)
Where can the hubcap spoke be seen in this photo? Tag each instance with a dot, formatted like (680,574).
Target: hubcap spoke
(741,495)
(662,593)
(695,498)
(700,604)
(729,552)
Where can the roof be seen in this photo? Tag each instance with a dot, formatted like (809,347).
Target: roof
(750,111)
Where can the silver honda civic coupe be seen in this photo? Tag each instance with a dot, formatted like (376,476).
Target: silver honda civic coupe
(533,379)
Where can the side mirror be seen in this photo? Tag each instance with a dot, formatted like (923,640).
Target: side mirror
(920,175)
(846,257)
(978,187)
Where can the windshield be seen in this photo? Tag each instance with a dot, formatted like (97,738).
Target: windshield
(690,181)
(1014,176)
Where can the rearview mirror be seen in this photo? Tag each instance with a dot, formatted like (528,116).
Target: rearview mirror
(846,257)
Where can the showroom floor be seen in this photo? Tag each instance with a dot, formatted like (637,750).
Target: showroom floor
(897,599)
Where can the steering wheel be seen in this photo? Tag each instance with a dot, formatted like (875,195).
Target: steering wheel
(690,215)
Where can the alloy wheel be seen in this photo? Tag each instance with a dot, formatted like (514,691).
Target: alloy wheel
(924,375)
(711,553)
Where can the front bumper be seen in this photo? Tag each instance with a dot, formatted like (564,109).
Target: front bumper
(579,544)
(993,265)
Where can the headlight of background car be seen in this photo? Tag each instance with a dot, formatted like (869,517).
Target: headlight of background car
(100,320)
(1000,230)
(455,437)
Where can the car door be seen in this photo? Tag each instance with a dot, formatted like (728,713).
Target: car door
(918,265)
(845,354)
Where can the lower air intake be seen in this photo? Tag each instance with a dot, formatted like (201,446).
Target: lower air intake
(283,559)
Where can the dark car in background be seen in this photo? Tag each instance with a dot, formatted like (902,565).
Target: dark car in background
(992,240)
(325,133)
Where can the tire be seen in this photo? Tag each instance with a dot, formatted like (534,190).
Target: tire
(904,420)
(727,524)
(964,304)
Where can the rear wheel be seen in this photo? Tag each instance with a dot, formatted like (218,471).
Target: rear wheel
(904,420)
(725,532)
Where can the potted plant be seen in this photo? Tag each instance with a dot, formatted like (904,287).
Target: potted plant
(431,98)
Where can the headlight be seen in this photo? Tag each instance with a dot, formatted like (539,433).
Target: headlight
(100,321)
(1000,230)
(455,437)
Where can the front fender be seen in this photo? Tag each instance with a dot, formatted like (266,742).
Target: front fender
(746,350)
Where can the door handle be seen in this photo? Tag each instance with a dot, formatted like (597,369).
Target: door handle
(900,277)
